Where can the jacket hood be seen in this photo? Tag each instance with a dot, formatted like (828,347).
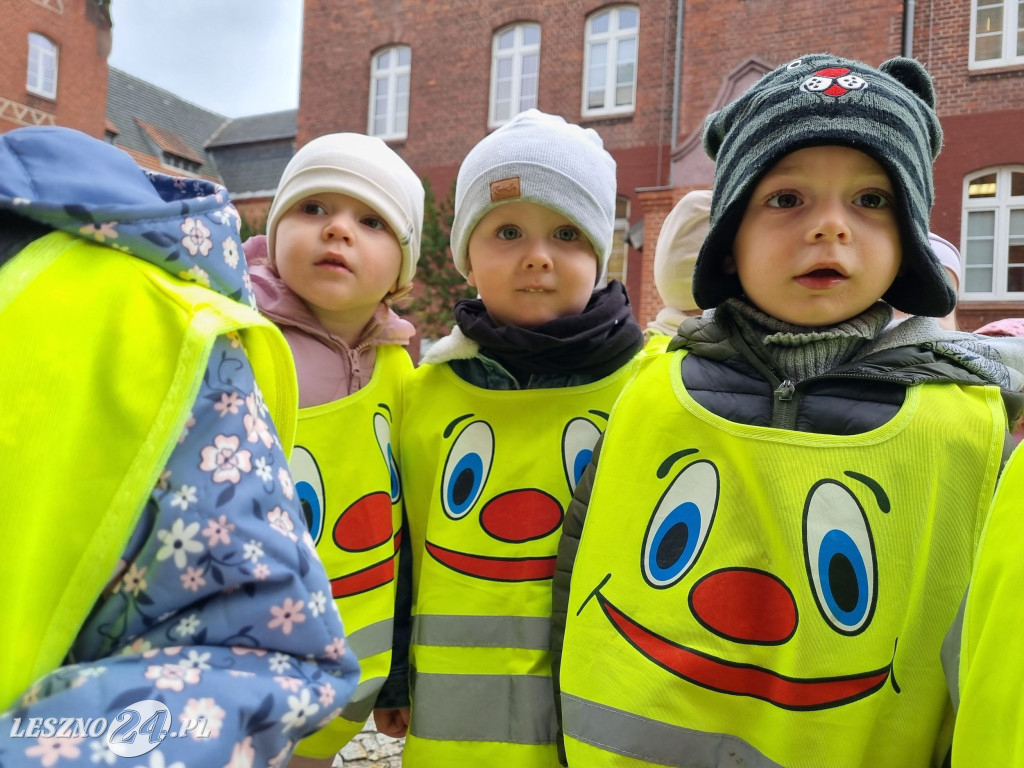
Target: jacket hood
(70,181)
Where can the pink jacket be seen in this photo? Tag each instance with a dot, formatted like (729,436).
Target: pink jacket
(328,369)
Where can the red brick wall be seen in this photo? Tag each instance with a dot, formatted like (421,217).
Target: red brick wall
(450,80)
(721,34)
(82,35)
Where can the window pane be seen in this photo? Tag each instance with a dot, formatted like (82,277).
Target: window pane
(595,99)
(531,34)
(529,68)
(402,90)
(988,47)
(506,40)
(980,224)
(628,18)
(626,53)
(1016,184)
(503,90)
(623,95)
(982,186)
(990,19)
(599,24)
(504,69)
(404,55)
(1017,227)
(1015,279)
(383,60)
(979,280)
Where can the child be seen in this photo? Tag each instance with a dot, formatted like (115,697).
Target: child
(784,512)
(343,239)
(499,423)
(680,239)
(148,527)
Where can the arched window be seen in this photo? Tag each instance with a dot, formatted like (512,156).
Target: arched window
(610,60)
(389,92)
(993,234)
(997,33)
(515,70)
(42,66)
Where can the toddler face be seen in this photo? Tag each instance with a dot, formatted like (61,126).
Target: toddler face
(819,241)
(337,254)
(530,264)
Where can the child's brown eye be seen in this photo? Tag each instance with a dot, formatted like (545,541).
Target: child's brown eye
(374,223)
(784,200)
(873,200)
(312,209)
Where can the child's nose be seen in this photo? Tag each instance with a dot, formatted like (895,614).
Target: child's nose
(538,258)
(339,225)
(831,223)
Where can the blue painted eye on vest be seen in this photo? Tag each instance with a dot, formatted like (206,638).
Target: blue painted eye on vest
(680,524)
(382,429)
(309,487)
(466,469)
(578,440)
(840,557)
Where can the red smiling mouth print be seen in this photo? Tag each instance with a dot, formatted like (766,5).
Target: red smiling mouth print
(744,679)
(495,568)
(371,577)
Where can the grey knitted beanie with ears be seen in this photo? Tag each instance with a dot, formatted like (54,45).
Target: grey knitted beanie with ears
(821,99)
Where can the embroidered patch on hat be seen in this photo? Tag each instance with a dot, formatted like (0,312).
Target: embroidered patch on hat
(834,81)
(505,189)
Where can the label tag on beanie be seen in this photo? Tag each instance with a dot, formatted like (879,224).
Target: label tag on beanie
(505,189)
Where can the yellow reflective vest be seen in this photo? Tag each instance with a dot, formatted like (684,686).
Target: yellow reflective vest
(488,477)
(756,596)
(346,476)
(103,355)
(990,719)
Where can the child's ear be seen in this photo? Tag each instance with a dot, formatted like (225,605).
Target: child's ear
(729,265)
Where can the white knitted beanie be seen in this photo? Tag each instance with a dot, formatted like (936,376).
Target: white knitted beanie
(679,242)
(538,158)
(363,167)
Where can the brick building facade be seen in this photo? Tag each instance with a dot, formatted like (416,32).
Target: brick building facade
(724,46)
(53,64)
(450,73)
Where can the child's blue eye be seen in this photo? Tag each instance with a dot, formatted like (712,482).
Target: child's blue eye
(508,233)
(309,487)
(466,469)
(840,557)
(567,234)
(680,524)
(382,429)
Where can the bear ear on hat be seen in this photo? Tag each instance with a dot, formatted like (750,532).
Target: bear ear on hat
(913,75)
(714,133)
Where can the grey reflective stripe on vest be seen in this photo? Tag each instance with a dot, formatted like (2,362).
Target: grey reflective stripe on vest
(512,709)
(530,632)
(371,639)
(363,698)
(950,655)
(625,733)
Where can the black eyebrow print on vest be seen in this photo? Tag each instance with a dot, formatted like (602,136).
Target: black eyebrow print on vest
(385,407)
(454,422)
(880,496)
(601,414)
(666,465)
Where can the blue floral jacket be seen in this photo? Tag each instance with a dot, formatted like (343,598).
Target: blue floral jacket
(220,611)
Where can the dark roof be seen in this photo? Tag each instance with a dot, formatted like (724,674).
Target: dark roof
(255,128)
(179,125)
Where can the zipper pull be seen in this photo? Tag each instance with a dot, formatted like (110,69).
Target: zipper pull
(785,390)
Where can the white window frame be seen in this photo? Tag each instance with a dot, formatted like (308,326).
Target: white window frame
(42,63)
(614,37)
(1001,205)
(396,122)
(515,54)
(1013,26)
